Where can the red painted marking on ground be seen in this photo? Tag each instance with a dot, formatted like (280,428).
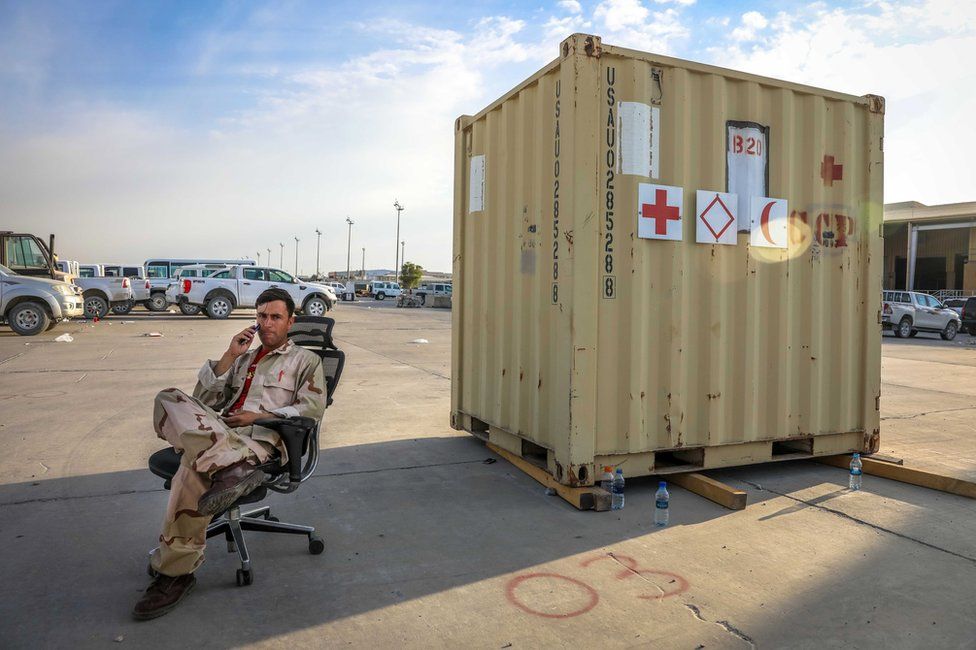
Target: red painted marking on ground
(513,598)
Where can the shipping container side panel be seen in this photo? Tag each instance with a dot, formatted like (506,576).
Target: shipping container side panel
(505,271)
(765,322)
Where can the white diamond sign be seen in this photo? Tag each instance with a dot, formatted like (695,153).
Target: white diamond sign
(716,221)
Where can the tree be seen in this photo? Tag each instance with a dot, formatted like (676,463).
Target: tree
(410,274)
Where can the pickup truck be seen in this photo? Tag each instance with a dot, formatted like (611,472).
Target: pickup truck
(138,282)
(31,305)
(909,312)
(432,289)
(239,286)
(102,294)
(175,287)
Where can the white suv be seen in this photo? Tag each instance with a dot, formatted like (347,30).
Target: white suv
(383,290)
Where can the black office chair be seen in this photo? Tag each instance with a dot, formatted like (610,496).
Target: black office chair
(301,438)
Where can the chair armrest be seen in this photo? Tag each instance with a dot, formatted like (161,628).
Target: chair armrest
(294,433)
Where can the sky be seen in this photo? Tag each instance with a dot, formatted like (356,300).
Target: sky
(137,129)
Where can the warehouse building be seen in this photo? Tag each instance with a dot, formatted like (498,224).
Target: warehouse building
(930,247)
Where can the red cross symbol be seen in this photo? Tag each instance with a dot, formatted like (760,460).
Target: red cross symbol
(660,211)
(830,172)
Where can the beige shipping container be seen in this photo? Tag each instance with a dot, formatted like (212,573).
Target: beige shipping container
(583,337)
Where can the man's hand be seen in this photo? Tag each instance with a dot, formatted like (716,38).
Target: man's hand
(239,344)
(243,418)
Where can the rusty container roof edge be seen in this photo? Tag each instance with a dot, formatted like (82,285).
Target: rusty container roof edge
(867,99)
(822,401)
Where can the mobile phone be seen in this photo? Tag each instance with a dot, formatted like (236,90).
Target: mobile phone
(255,327)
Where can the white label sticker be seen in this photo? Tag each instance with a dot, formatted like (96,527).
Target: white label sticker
(476,190)
(767,218)
(716,218)
(747,160)
(659,209)
(639,139)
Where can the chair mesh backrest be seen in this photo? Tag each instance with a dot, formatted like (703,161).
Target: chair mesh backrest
(315,333)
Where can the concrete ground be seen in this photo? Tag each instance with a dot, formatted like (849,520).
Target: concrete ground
(430,546)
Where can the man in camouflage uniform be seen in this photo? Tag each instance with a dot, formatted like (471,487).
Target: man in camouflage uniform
(220,445)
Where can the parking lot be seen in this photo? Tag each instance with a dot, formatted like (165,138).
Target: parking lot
(427,544)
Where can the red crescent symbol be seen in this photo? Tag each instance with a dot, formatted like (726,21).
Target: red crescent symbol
(764,222)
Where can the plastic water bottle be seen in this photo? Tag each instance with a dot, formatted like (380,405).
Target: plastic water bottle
(607,481)
(617,492)
(855,483)
(661,501)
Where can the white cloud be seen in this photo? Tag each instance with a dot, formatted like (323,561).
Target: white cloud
(321,143)
(572,6)
(620,14)
(905,52)
(752,23)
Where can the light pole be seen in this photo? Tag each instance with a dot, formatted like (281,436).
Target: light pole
(259,258)
(348,244)
(403,252)
(296,257)
(364,264)
(281,258)
(399,208)
(318,252)
(269,257)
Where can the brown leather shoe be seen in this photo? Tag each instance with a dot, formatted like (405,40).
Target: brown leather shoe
(229,485)
(162,595)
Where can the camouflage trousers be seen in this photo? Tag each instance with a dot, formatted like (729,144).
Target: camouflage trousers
(207,445)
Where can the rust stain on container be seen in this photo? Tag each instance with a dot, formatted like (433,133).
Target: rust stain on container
(787,337)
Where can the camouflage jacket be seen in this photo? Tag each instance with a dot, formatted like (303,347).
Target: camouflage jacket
(288,381)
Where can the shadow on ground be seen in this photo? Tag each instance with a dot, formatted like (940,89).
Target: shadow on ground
(403,520)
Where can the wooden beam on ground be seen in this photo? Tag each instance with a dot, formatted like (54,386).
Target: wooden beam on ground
(919,477)
(720,493)
(583,498)
(886,459)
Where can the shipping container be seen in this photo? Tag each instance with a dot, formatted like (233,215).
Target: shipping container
(666,266)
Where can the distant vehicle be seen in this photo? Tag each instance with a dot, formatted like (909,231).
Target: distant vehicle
(239,286)
(138,282)
(69,268)
(909,312)
(956,305)
(103,294)
(161,271)
(432,289)
(383,290)
(27,254)
(354,288)
(31,305)
(191,271)
(969,315)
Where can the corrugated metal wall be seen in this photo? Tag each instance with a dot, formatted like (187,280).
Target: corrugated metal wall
(700,345)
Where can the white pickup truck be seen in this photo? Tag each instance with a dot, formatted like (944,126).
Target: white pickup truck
(239,287)
(907,313)
(101,293)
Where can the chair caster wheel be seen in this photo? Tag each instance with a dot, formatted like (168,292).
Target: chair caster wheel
(315,545)
(151,571)
(244,578)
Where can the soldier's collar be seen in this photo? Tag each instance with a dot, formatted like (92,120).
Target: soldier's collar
(284,349)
